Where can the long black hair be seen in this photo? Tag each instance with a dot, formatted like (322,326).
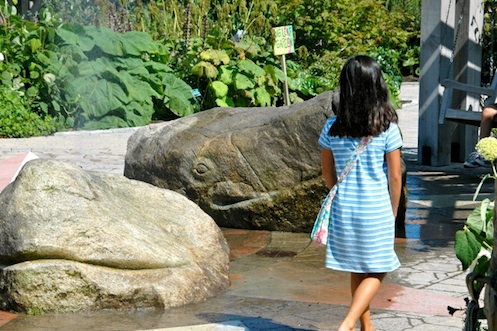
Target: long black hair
(364,108)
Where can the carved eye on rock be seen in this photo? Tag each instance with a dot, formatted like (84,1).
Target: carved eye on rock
(201,169)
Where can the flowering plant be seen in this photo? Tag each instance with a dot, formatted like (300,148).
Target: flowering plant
(474,243)
(487,148)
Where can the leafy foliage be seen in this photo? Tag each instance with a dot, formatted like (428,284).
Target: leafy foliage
(332,31)
(23,79)
(233,74)
(92,72)
(88,77)
(475,237)
(17,120)
(489,45)
(106,79)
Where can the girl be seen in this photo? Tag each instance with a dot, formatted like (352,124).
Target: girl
(362,225)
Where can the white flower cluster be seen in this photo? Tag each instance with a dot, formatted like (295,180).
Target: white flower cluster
(487,147)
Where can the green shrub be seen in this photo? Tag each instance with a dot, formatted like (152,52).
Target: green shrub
(18,121)
(329,32)
(23,82)
(107,79)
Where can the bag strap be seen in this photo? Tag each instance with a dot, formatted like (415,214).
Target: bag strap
(354,157)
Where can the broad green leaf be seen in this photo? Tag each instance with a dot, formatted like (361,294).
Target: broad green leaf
(141,91)
(226,74)
(96,97)
(271,74)
(261,80)
(136,43)
(139,71)
(279,74)
(34,74)
(107,122)
(263,97)
(139,114)
(225,102)
(250,68)
(215,56)
(32,91)
(35,44)
(490,230)
(72,53)
(486,212)
(178,96)
(482,265)
(243,82)
(221,102)
(44,107)
(466,247)
(56,106)
(95,68)
(248,46)
(475,220)
(69,121)
(205,69)
(76,35)
(109,41)
(294,98)
(154,67)
(220,89)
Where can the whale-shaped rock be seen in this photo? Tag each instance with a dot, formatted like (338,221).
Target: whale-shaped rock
(250,168)
(73,240)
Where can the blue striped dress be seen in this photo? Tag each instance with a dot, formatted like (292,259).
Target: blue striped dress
(362,225)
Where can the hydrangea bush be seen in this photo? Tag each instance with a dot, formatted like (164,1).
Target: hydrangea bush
(474,243)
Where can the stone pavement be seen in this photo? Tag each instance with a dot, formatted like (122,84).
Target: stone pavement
(278,279)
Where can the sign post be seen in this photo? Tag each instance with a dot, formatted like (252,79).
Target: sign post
(283,44)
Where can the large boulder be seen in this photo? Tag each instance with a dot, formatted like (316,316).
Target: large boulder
(252,168)
(77,240)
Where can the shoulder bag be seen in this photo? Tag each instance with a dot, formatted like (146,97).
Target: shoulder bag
(321,226)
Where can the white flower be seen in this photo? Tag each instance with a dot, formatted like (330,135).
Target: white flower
(487,147)
(2,57)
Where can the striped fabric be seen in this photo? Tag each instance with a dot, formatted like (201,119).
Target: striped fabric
(362,227)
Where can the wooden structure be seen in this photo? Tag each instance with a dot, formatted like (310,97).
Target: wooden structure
(466,116)
(26,7)
(451,32)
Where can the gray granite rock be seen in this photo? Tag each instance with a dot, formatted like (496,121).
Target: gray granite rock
(76,240)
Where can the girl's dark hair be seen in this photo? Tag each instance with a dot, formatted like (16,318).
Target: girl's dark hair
(364,108)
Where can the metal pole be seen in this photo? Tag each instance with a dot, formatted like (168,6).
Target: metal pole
(285,83)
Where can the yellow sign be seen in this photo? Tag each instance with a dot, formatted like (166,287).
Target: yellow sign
(283,40)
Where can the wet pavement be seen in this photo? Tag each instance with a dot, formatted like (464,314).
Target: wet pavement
(278,280)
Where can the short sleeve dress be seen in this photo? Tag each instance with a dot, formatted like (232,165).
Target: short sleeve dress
(362,225)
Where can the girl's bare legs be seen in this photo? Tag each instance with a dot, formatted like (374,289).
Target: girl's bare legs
(364,287)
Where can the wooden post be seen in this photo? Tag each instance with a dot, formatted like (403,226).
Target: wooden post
(23,7)
(467,69)
(26,6)
(441,22)
(436,41)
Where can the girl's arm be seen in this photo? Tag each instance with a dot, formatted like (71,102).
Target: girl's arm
(328,167)
(394,178)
